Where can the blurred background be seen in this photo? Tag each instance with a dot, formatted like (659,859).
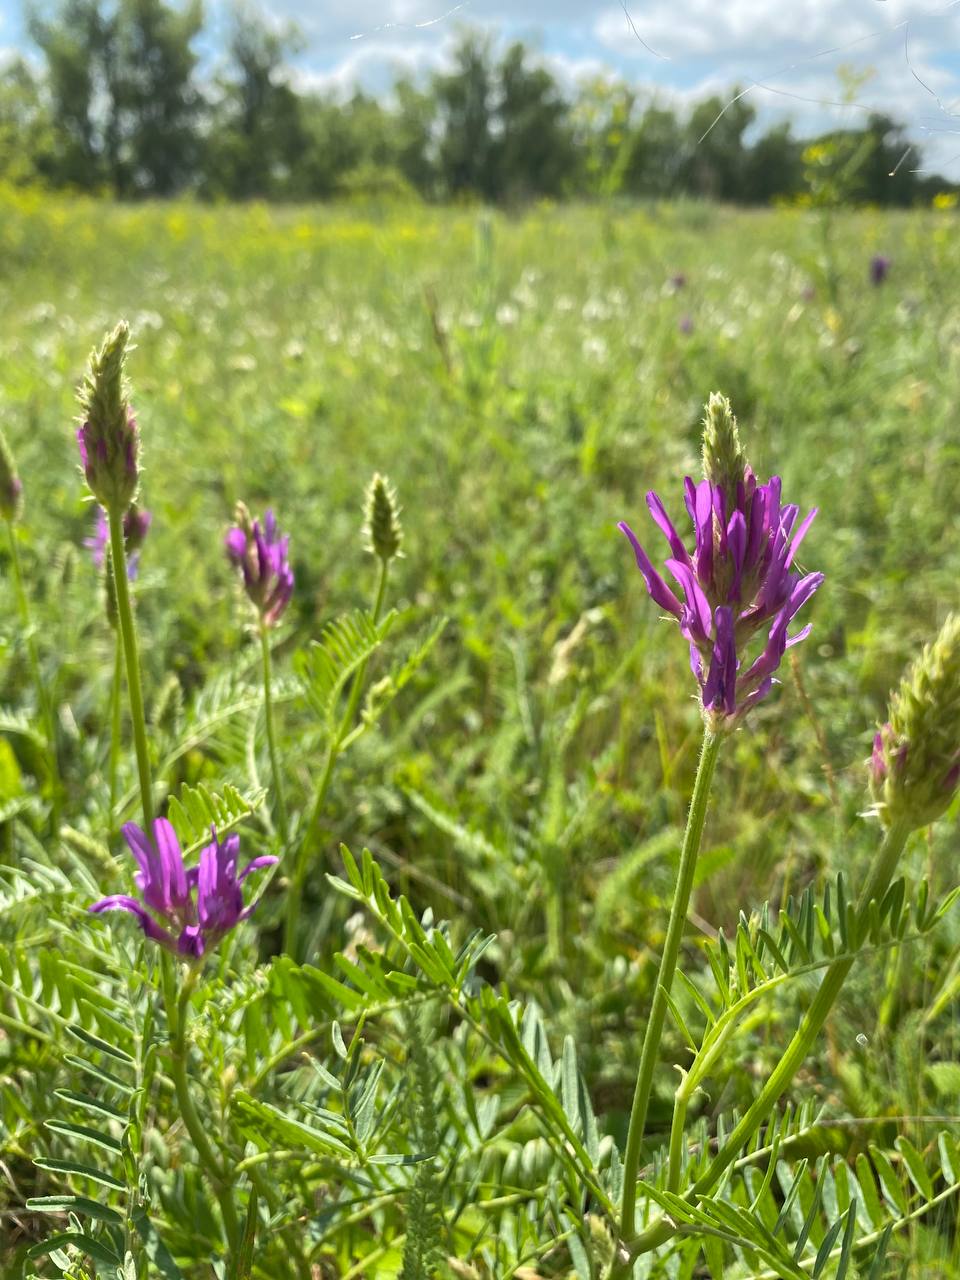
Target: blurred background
(832,100)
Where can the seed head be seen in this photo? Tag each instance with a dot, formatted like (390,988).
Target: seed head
(11,486)
(108,438)
(915,767)
(382,530)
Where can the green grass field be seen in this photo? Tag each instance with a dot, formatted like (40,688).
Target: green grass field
(523,382)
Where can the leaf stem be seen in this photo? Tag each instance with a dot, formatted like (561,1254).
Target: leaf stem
(178,1008)
(271,736)
(295,891)
(649,1056)
(128,634)
(877,883)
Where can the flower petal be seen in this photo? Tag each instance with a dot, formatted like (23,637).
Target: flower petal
(696,617)
(660,593)
(265,860)
(665,524)
(120,902)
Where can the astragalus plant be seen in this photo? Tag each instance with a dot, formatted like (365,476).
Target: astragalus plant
(302,1074)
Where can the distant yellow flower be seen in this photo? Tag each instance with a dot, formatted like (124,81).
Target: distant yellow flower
(945,200)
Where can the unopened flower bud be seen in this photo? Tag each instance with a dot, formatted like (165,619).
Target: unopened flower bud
(263,557)
(382,530)
(915,767)
(724,462)
(108,438)
(11,486)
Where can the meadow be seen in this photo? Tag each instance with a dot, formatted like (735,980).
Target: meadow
(521,748)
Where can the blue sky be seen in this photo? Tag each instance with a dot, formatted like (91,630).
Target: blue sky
(906,52)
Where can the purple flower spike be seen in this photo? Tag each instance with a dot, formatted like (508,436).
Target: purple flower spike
(262,555)
(738,582)
(879,268)
(136,525)
(196,907)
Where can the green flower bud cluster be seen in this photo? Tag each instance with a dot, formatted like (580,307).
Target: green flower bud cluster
(383,533)
(107,437)
(724,461)
(915,766)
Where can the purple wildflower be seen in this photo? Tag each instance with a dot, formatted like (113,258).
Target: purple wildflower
(879,268)
(136,525)
(739,578)
(678,281)
(685,324)
(262,555)
(191,910)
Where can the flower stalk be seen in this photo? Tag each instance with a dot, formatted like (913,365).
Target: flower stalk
(282,820)
(650,1052)
(218,1172)
(128,639)
(338,742)
(383,538)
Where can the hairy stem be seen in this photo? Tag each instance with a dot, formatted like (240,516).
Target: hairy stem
(178,1009)
(881,873)
(43,698)
(271,736)
(295,892)
(650,1052)
(115,729)
(128,634)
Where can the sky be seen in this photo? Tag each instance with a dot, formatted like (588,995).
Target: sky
(786,53)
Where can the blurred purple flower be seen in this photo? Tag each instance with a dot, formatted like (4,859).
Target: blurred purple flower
(739,577)
(136,525)
(263,557)
(678,280)
(191,910)
(879,268)
(685,324)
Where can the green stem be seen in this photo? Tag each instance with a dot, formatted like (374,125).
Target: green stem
(128,634)
(271,736)
(650,1052)
(799,1047)
(43,698)
(115,729)
(677,1135)
(177,1014)
(295,891)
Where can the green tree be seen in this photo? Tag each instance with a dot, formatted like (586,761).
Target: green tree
(157,101)
(76,43)
(26,129)
(772,166)
(655,163)
(125,108)
(465,117)
(715,160)
(533,150)
(258,132)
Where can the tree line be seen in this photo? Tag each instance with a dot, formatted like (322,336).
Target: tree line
(118,102)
